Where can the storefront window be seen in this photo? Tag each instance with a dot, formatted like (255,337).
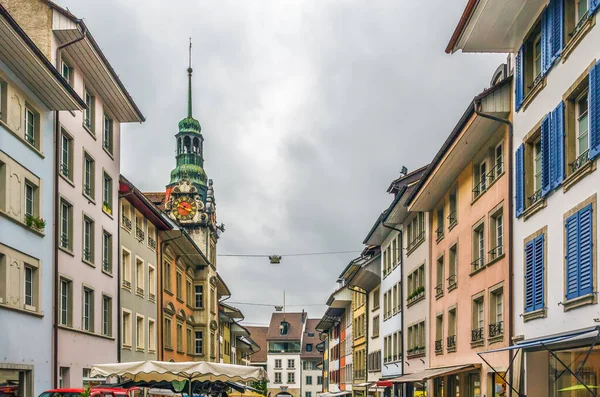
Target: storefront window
(420,389)
(562,383)
(474,385)
(438,387)
(14,383)
(454,386)
(499,386)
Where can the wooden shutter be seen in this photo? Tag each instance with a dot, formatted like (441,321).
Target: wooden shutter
(529,276)
(558,145)
(519,180)
(519,80)
(572,256)
(546,38)
(586,282)
(538,273)
(557,28)
(594,110)
(594,4)
(547,157)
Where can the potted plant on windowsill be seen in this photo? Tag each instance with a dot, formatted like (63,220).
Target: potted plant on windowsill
(35,222)
(106,207)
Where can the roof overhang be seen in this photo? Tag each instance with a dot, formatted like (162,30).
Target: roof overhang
(30,65)
(341,298)
(330,318)
(232,312)
(464,142)
(434,373)
(101,78)
(494,25)
(222,288)
(128,191)
(185,246)
(368,276)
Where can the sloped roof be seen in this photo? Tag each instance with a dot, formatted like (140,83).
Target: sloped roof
(259,336)
(157,198)
(311,324)
(294,331)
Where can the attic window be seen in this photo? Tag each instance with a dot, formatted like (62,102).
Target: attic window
(284,327)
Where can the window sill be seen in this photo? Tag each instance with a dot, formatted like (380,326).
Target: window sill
(440,238)
(415,246)
(496,259)
(126,347)
(495,339)
(168,292)
(414,302)
(169,349)
(18,222)
(452,287)
(108,213)
(180,300)
(108,153)
(91,264)
(19,137)
(80,331)
(139,349)
(540,313)
(488,187)
(578,37)
(67,179)
(89,131)
(374,309)
(535,90)
(20,310)
(578,175)
(66,250)
(584,300)
(478,343)
(180,351)
(534,208)
(439,295)
(439,352)
(89,198)
(109,274)
(474,272)
(452,226)
(451,349)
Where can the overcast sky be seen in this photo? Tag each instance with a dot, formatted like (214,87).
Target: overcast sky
(308,109)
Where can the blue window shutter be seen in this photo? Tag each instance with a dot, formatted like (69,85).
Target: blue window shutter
(558,142)
(594,4)
(546,39)
(519,180)
(529,276)
(586,283)
(519,89)
(594,110)
(538,269)
(572,256)
(547,157)
(557,28)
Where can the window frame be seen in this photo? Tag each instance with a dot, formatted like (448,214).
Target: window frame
(65,294)
(107,244)
(126,329)
(87,318)
(108,134)
(89,112)
(106,316)
(90,237)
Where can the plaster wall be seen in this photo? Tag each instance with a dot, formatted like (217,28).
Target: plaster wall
(375,340)
(393,323)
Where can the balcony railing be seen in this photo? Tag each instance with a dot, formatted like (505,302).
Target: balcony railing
(579,161)
(451,341)
(496,329)
(106,144)
(64,169)
(439,290)
(477,334)
(87,189)
(477,264)
(126,222)
(420,237)
(64,240)
(87,254)
(452,218)
(139,233)
(495,172)
(438,346)
(106,265)
(480,188)
(451,281)
(535,197)
(439,232)
(496,252)
(151,243)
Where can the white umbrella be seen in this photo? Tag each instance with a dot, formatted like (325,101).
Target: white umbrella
(180,371)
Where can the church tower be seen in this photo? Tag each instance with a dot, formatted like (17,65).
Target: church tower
(190,195)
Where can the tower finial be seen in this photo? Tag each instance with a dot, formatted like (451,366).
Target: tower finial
(190,81)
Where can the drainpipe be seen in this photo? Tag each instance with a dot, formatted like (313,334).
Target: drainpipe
(476,106)
(57,213)
(400,234)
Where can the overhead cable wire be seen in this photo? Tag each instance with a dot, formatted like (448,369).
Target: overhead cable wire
(294,254)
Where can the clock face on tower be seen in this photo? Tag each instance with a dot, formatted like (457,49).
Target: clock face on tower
(184,208)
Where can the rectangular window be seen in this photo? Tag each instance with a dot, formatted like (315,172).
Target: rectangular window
(179,286)
(139,332)
(126,267)
(308,394)
(107,193)
(478,320)
(439,333)
(199,296)
(179,337)
(309,347)
(189,341)
(189,296)
(291,364)
(440,223)
(452,267)
(498,160)
(88,176)
(578,118)
(309,380)
(439,288)
(451,338)
(30,193)
(67,72)
(199,337)
(66,302)
(139,275)
(277,377)
(291,377)
(375,299)
(496,235)
(167,275)
(534,274)
(319,380)
(66,228)
(66,157)
(167,334)
(30,127)
(579,258)
(416,284)
(89,112)
(106,252)
(87,322)
(126,329)
(453,206)
(376,326)
(278,364)
(151,335)
(30,297)
(478,248)
(496,327)
(106,316)
(88,240)
(151,283)
(107,139)
(575,13)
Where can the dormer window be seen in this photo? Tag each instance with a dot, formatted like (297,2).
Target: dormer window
(284,328)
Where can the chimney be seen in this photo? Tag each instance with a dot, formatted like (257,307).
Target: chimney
(303,318)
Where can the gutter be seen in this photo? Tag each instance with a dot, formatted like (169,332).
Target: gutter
(477,105)
(56,209)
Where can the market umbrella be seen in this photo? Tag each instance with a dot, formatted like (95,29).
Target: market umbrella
(579,387)
(178,372)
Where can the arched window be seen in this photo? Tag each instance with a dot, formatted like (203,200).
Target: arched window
(179,147)
(196,145)
(187,144)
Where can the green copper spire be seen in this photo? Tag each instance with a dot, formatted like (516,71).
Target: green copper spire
(190,142)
